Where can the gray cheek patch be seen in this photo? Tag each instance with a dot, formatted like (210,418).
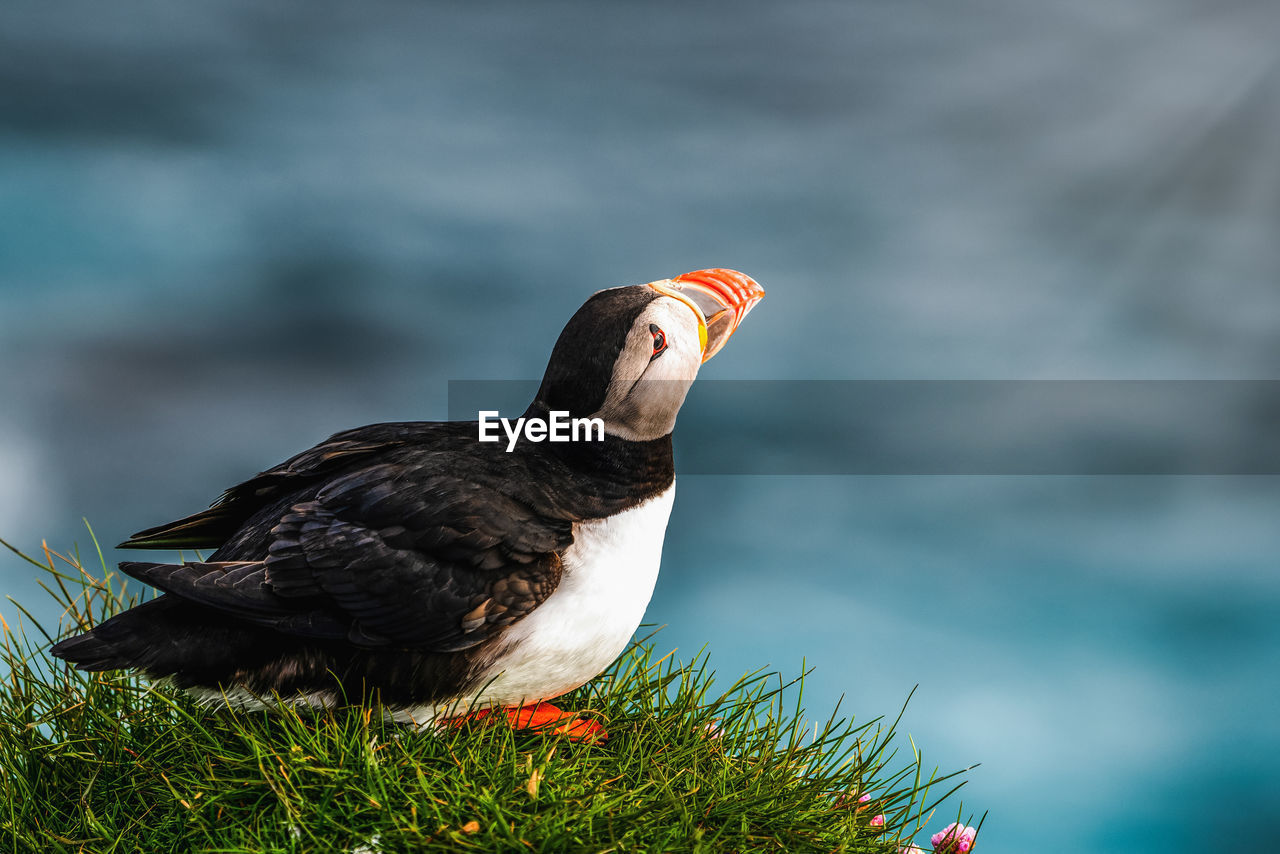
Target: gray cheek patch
(645,395)
(649,412)
(629,367)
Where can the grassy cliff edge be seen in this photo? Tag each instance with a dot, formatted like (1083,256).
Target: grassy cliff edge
(109,762)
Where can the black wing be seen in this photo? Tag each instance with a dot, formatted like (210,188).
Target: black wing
(398,553)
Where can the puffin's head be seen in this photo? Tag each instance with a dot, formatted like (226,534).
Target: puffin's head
(629,355)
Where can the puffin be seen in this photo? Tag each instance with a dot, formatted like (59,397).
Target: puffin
(414,567)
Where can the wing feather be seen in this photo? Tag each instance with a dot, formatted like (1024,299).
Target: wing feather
(389,554)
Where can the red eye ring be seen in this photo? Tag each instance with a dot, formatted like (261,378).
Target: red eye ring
(659,341)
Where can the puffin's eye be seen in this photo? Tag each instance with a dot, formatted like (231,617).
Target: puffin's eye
(659,341)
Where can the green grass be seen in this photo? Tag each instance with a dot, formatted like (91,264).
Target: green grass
(107,763)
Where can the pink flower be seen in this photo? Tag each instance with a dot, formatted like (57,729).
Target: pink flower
(876,821)
(955,838)
(910,849)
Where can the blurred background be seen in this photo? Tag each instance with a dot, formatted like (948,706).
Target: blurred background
(228,230)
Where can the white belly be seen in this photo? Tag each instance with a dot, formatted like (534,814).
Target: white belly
(609,573)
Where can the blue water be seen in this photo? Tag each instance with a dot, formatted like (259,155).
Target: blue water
(229,231)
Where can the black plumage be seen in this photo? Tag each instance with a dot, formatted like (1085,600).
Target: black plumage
(390,559)
(366,566)
(361,563)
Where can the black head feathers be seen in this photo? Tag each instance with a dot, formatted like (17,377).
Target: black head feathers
(581,364)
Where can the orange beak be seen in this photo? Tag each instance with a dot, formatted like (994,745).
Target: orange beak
(720,298)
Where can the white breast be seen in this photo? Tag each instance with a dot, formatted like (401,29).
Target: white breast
(609,573)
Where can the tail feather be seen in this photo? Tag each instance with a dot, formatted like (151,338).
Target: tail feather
(127,640)
(90,652)
(169,637)
(121,642)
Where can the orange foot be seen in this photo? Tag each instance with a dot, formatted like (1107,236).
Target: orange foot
(542,716)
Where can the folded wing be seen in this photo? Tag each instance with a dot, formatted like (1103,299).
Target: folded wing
(388,555)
